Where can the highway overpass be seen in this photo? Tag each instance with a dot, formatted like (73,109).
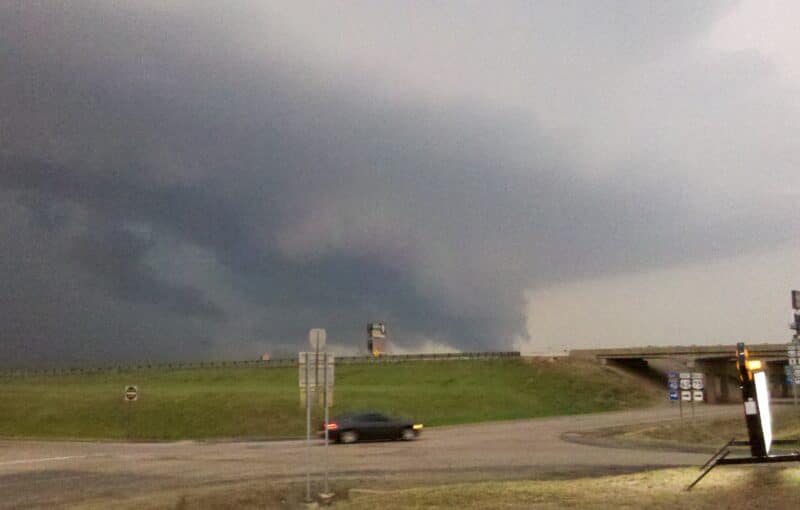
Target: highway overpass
(717,362)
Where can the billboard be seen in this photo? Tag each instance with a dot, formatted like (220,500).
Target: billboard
(376,338)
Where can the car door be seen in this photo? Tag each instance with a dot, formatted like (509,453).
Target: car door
(363,425)
(382,427)
(371,426)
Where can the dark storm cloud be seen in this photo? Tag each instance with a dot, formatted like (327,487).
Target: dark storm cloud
(210,173)
(115,255)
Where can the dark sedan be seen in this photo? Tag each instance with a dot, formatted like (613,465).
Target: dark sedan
(371,427)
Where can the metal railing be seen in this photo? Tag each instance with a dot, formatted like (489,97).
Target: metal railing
(272,363)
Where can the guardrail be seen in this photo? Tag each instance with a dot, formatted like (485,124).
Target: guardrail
(273,363)
(763,350)
(397,358)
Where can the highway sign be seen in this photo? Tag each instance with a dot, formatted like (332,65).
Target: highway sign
(697,395)
(686,375)
(316,371)
(672,380)
(131,393)
(686,396)
(686,384)
(314,374)
(673,395)
(698,381)
(316,337)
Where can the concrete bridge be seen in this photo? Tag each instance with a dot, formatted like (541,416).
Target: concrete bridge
(717,362)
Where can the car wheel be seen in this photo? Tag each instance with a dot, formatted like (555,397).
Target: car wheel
(408,434)
(348,436)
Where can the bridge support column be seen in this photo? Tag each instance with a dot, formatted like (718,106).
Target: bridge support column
(720,385)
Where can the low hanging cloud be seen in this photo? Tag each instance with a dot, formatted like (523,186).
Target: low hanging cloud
(188,181)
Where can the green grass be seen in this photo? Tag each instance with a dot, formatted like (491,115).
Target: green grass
(264,403)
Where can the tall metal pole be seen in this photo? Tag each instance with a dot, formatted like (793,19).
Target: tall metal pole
(308,431)
(325,404)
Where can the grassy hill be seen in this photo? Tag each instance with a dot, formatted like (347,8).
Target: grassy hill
(264,403)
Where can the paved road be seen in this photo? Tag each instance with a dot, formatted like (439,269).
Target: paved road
(36,474)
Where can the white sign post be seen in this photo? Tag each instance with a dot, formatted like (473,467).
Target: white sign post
(316,337)
(327,382)
(130,395)
(311,381)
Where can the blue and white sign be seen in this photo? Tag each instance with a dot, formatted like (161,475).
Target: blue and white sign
(672,381)
(673,395)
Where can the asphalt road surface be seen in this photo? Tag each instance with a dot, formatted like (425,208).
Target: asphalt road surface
(47,474)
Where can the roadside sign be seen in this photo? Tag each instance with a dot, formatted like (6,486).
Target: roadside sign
(697,395)
(316,380)
(131,393)
(316,337)
(673,395)
(315,374)
(672,380)
(686,381)
(686,396)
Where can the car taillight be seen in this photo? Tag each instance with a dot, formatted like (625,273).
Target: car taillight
(332,426)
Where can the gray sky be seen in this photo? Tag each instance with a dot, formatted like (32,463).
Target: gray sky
(183,180)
